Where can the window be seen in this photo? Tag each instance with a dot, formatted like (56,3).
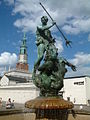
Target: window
(79,83)
(68,98)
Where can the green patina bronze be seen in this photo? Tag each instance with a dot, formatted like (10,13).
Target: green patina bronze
(23,47)
(49,74)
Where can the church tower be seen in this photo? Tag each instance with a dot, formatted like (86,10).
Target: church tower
(22,62)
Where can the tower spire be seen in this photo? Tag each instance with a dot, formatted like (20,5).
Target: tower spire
(22,62)
(23,47)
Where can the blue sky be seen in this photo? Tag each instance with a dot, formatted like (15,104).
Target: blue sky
(19,16)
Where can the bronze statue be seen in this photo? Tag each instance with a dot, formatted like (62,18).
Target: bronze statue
(44,37)
(52,71)
(48,74)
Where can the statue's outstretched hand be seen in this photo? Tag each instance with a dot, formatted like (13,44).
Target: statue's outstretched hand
(68,43)
(73,67)
(53,22)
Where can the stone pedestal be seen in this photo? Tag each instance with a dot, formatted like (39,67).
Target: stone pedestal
(50,108)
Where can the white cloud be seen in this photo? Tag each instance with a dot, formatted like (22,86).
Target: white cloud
(89,37)
(59,45)
(78,25)
(31,13)
(9,2)
(82,62)
(25,24)
(73,15)
(61,11)
(8,59)
(71,30)
(81,59)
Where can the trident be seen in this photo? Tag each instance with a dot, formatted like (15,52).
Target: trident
(67,41)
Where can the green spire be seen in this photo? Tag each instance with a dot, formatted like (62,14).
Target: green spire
(24,40)
(23,47)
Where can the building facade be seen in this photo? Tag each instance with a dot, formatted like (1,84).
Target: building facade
(17,84)
(20,93)
(21,89)
(77,90)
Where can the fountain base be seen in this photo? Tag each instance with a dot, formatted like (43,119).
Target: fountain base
(53,108)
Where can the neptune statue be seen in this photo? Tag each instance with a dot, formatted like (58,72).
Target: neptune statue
(49,69)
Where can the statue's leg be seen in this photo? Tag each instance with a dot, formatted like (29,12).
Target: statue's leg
(41,50)
(46,66)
